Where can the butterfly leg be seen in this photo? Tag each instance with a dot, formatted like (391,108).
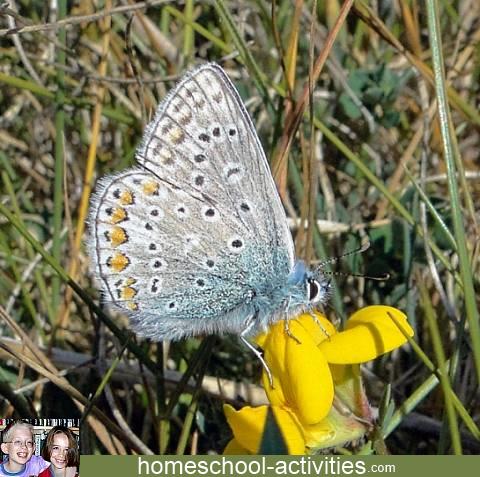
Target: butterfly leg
(317,321)
(286,327)
(249,324)
(286,324)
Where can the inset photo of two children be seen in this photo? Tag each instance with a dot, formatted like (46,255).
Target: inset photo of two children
(39,447)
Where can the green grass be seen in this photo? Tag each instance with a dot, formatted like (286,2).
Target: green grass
(386,145)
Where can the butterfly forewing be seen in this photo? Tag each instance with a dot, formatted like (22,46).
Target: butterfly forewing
(203,137)
(189,236)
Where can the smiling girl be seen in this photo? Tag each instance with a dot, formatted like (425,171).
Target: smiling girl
(61,450)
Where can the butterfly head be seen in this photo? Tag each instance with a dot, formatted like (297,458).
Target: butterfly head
(315,287)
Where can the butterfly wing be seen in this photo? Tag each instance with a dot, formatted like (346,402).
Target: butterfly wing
(188,238)
(203,137)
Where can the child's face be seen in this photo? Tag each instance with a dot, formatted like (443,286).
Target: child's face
(19,449)
(58,457)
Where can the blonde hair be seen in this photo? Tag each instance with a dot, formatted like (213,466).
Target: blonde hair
(8,431)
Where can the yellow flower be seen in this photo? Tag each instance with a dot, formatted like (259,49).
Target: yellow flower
(317,398)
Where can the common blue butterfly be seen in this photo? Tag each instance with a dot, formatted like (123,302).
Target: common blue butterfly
(194,239)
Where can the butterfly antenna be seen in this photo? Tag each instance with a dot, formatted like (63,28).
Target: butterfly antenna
(365,246)
(378,278)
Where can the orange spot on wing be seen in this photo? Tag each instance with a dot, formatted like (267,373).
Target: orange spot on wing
(118,215)
(128,293)
(118,262)
(117,236)
(150,187)
(177,135)
(126,198)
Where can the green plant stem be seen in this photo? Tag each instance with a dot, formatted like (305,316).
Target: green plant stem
(449,150)
(443,370)
(396,204)
(41,92)
(58,196)
(424,389)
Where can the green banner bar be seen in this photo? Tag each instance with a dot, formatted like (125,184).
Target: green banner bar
(259,466)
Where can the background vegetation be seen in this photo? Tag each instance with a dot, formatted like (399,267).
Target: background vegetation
(374,135)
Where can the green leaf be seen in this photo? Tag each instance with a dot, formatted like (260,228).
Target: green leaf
(272,442)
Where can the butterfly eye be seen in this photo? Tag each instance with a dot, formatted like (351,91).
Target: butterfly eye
(313,290)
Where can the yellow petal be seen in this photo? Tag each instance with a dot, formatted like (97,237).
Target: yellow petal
(369,333)
(260,339)
(301,375)
(234,448)
(318,328)
(274,353)
(375,313)
(274,392)
(248,424)
(291,430)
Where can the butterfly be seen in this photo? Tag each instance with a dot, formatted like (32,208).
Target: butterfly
(194,239)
